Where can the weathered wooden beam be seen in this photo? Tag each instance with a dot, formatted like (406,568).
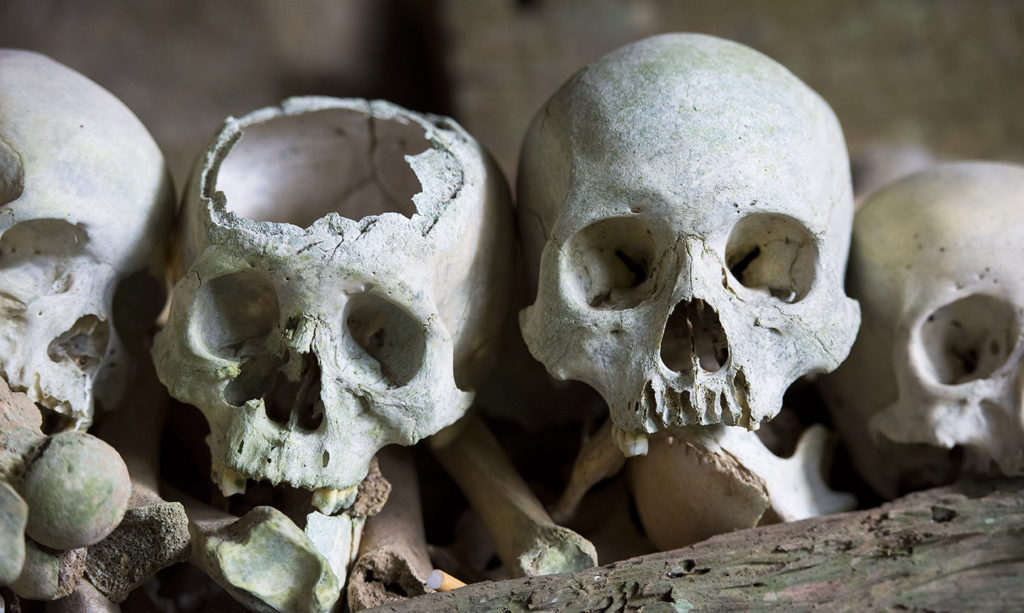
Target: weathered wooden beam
(959,548)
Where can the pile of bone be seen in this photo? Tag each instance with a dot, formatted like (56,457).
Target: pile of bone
(346,283)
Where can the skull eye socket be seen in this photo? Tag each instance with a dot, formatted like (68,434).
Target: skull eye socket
(36,257)
(968,339)
(613,263)
(774,254)
(387,335)
(234,309)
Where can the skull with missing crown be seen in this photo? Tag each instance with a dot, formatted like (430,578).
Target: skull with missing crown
(687,203)
(327,309)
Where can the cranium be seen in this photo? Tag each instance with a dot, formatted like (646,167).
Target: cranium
(937,364)
(85,208)
(687,203)
(325,310)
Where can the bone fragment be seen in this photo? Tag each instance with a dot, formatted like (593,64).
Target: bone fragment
(13,515)
(85,599)
(337,535)
(49,574)
(337,538)
(528,541)
(393,553)
(703,481)
(599,458)
(262,559)
(148,539)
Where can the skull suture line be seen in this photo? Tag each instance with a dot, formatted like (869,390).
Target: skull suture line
(687,203)
(310,349)
(937,363)
(85,208)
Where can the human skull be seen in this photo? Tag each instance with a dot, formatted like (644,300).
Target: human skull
(85,208)
(325,310)
(937,363)
(687,203)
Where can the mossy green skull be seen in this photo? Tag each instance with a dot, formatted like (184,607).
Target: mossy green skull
(325,310)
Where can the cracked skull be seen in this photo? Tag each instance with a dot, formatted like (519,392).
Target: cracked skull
(933,384)
(686,209)
(345,272)
(85,208)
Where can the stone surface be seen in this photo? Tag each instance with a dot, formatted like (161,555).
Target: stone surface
(945,77)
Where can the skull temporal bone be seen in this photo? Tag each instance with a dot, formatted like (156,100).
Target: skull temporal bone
(687,204)
(938,361)
(310,349)
(86,205)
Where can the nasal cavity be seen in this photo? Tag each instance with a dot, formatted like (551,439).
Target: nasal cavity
(693,338)
(297,404)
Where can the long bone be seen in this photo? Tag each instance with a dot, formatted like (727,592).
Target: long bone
(393,551)
(527,540)
(262,559)
(599,458)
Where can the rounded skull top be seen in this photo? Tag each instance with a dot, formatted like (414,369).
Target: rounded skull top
(686,209)
(933,386)
(86,205)
(346,272)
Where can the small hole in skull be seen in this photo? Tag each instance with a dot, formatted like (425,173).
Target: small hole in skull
(325,459)
(773,254)
(968,339)
(694,337)
(54,422)
(393,341)
(298,168)
(613,262)
(84,344)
